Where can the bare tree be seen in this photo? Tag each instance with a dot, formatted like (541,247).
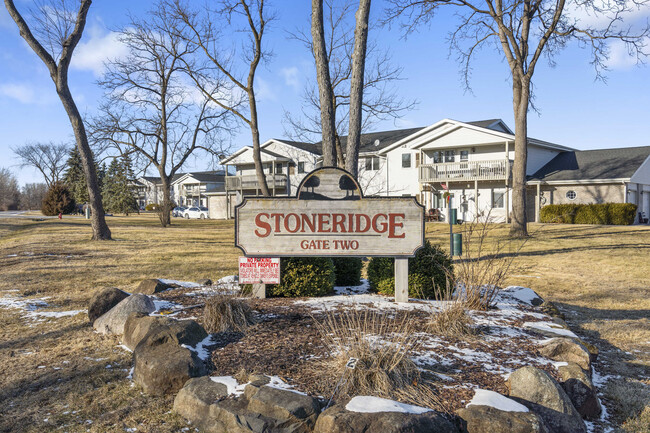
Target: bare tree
(325,92)
(356,87)
(31,195)
(48,158)
(152,111)
(53,36)
(9,192)
(380,99)
(523,31)
(249,17)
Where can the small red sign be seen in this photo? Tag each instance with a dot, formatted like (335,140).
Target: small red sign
(254,270)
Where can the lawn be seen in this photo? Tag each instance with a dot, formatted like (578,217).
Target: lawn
(57,371)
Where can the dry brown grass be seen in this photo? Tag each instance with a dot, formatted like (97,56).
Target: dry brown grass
(599,276)
(381,344)
(227,313)
(453,321)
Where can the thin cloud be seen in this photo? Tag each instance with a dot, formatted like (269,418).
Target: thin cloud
(20,92)
(96,51)
(291,77)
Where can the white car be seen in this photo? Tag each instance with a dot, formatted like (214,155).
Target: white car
(196,212)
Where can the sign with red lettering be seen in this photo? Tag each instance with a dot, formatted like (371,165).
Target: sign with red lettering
(255,270)
(329,217)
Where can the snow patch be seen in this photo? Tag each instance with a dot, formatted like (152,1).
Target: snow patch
(364,287)
(549,327)
(278,383)
(187,284)
(484,397)
(201,348)
(523,294)
(367,404)
(231,383)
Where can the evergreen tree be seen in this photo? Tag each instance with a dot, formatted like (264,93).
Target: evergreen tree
(117,193)
(74,177)
(58,200)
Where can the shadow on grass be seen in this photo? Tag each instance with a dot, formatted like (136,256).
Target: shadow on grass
(34,339)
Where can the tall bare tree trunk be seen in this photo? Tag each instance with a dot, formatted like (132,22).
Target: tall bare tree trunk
(340,160)
(356,87)
(97,219)
(166,206)
(257,157)
(328,125)
(59,74)
(521,99)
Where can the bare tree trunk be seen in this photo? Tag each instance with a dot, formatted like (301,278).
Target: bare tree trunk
(257,157)
(59,74)
(340,160)
(324,84)
(521,96)
(356,87)
(98,220)
(166,207)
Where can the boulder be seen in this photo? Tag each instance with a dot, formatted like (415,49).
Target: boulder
(161,330)
(151,286)
(337,419)
(539,392)
(165,368)
(259,409)
(194,399)
(112,322)
(103,301)
(483,419)
(580,390)
(204,282)
(567,350)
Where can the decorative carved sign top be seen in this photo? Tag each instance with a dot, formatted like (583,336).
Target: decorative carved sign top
(329,217)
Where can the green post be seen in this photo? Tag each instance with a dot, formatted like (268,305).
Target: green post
(458,244)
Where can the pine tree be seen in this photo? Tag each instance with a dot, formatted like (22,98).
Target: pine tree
(74,177)
(116,191)
(58,200)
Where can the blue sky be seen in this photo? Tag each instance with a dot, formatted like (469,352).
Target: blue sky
(575,109)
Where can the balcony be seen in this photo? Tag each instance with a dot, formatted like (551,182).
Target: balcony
(498,169)
(249,182)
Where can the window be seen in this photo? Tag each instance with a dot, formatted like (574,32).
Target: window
(292,169)
(406,160)
(464,155)
(450,155)
(498,198)
(417,160)
(301,167)
(437,157)
(571,195)
(372,163)
(278,168)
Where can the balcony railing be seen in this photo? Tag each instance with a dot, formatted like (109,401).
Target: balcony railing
(249,182)
(463,171)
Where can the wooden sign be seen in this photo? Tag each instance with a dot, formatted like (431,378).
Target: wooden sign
(259,270)
(329,217)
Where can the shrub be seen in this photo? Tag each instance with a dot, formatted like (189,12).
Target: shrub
(58,200)
(603,213)
(304,276)
(347,270)
(427,272)
(151,207)
(227,313)
(418,283)
(453,322)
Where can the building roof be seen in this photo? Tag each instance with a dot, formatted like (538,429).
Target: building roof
(314,148)
(493,124)
(616,163)
(208,176)
(375,141)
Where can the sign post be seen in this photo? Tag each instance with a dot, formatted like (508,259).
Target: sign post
(329,217)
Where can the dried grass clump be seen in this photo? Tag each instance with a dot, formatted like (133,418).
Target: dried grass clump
(454,322)
(381,344)
(227,313)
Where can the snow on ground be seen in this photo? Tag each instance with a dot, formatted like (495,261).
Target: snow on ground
(231,383)
(364,287)
(163,305)
(278,383)
(188,284)
(522,294)
(363,301)
(484,397)
(367,404)
(29,307)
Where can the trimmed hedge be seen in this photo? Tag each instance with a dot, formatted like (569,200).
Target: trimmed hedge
(304,276)
(347,270)
(427,273)
(605,213)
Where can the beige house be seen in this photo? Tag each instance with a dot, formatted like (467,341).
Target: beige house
(618,175)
